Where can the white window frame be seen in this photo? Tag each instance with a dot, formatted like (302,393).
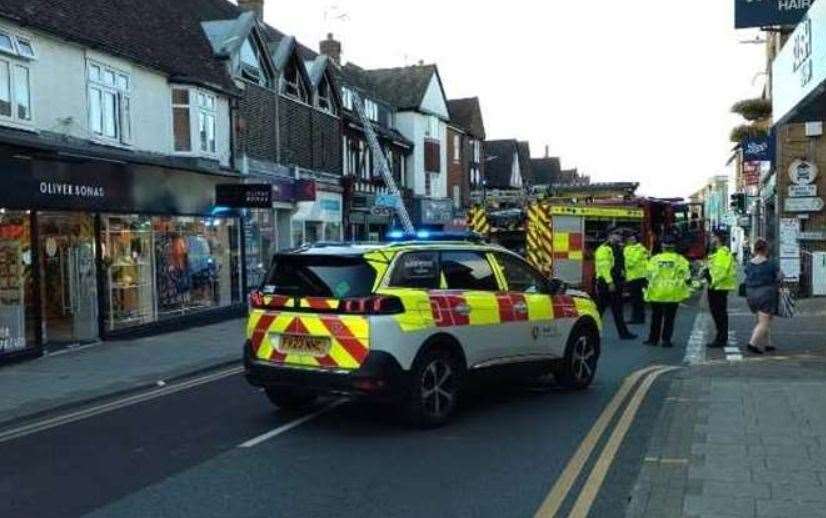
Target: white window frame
(197,111)
(457,152)
(331,100)
(371,109)
(432,130)
(13,66)
(122,94)
(16,39)
(347,98)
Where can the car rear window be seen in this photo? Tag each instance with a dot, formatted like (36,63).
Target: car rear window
(319,276)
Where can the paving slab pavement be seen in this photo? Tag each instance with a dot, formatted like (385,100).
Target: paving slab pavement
(739,439)
(74,377)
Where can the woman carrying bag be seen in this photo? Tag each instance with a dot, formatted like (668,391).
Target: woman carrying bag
(762,286)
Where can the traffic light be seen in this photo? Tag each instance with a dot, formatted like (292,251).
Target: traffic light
(738,202)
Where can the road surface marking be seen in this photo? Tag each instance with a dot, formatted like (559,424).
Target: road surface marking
(77,415)
(695,351)
(292,424)
(589,492)
(566,480)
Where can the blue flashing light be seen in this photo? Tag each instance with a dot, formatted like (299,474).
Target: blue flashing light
(219,210)
(423,234)
(395,234)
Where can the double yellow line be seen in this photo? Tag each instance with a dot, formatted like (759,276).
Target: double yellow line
(553,502)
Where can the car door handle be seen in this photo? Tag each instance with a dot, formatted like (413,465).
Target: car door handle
(520,307)
(462,309)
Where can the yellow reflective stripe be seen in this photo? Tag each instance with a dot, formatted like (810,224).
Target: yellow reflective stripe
(265,349)
(561,242)
(483,299)
(498,272)
(252,321)
(600,212)
(588,307)
(575,256)
(540,307)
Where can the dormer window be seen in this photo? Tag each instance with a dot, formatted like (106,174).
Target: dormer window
(371,109)
(325,96)
(292,84)
(347,98)
(251,65)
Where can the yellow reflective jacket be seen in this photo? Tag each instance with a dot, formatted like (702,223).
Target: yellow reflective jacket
(604,259)
(723,270)
(668,276)
(636,261)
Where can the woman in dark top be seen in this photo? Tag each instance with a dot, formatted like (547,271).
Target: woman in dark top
(763,278)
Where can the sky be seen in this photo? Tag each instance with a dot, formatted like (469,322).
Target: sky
(623,90)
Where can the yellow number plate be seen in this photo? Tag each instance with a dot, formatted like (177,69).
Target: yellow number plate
(304,345)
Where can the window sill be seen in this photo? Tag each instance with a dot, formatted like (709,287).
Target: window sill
(15,124)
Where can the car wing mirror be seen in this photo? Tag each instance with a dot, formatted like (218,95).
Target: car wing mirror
(557,287)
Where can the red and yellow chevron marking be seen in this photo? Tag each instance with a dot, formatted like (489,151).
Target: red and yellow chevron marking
(567,246)
(348,334)
(318,303)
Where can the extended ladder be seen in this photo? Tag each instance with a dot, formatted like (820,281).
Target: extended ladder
(380,163)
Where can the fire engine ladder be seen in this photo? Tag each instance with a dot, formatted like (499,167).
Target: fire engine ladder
(380,163)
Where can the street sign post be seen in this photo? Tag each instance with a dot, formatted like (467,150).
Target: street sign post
(802,191)
(804,204)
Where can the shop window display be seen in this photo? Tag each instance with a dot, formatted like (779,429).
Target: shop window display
(128,261)
(196,264)
(17,312)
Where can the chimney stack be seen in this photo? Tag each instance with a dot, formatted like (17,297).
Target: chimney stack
(256,6)
(331,48)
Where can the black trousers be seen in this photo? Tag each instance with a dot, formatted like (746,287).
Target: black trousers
(612,299)
(637,301)
(662,321)
(718,306)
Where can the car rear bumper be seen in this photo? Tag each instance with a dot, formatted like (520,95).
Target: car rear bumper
(380,376)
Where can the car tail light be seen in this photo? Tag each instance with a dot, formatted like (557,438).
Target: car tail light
(375,305)
(256,299)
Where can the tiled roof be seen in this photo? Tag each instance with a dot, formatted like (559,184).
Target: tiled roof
(545,170)
(467,114)
(404,87)
(499,165)
(161,34)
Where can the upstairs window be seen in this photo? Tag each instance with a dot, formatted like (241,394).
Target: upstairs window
(251,68)
(16,45)
(347,98)
(477,151)
(194,113)
(457,148)
(432,130)
(15,78)
(325,96)
(110,108)
(371,109)
(292,84)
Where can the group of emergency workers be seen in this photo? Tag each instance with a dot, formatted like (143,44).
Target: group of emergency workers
(663,281)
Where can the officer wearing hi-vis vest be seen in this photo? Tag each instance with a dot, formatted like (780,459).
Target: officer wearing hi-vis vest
(636,262)
(721,274)
(609,282)
(668,275)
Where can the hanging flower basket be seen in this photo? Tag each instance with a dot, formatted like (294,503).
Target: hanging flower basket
(753,109)
(742,132)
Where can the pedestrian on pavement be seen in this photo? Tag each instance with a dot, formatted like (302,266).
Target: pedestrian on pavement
(609,282)
(721,274)
(762,282)
(636,263)
(669,275)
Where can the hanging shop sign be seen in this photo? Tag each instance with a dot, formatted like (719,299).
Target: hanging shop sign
(802,191)
(758,149)
(803,172)
(386,200)
(803,204)
(244,196)
(751,173)
(767,13)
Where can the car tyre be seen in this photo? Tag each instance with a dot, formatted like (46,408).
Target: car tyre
(433,392)
(579,366)
(289,398)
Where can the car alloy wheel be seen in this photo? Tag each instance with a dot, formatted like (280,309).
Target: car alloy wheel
(438,388)
(583,359)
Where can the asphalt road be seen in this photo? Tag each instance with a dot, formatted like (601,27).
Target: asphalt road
(179,455)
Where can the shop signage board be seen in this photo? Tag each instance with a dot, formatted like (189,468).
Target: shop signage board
(803,172)
(386,200)
(767,13)
(758,149)
(244,196)
(803,204)
(815,235)
(305,190)
(751,173)
(800,68)
(802,191)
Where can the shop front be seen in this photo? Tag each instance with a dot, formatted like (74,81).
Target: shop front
(433,214)
(94,249)
(367,220)
(318,220)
